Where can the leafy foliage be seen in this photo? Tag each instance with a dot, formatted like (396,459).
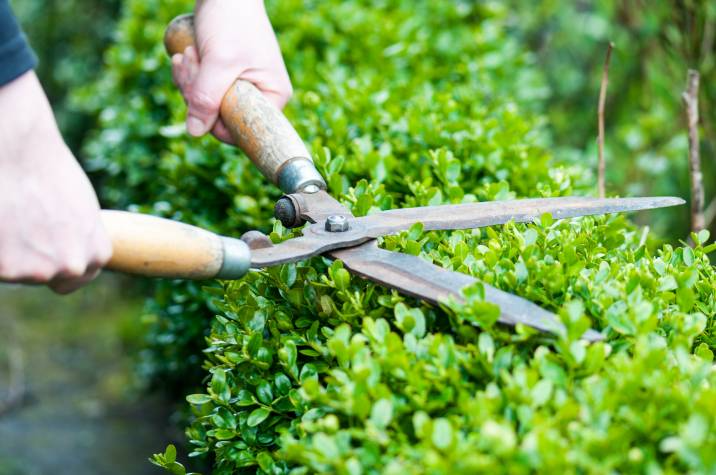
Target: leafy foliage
(309,369)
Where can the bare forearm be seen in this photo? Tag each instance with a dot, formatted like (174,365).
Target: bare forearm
(53,234)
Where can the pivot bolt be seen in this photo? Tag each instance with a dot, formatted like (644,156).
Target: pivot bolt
(285,211)
(337,223)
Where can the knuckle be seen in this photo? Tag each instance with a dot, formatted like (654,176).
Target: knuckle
(72,268)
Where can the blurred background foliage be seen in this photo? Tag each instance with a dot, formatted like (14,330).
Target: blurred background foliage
(68,37)
(655,44)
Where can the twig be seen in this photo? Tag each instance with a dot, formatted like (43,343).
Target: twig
(690,97)
(601,167)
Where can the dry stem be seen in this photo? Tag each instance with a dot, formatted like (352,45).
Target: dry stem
(690,98)
(601,167)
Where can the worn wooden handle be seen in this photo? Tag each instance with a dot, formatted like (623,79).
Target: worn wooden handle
(158,247)
(256,125)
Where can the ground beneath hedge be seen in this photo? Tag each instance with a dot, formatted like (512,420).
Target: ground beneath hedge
(83,414)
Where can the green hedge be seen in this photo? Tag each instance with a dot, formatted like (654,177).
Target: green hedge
(308,369)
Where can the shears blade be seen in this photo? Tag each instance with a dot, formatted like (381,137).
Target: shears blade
(317,240)
(418,278)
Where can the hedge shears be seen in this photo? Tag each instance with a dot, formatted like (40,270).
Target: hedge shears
(158,247)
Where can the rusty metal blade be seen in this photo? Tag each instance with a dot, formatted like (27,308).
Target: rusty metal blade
(303,247)
(489,213)
(416,277)
(316,240)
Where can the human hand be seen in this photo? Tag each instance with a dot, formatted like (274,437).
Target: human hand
(234,40)
(51,230)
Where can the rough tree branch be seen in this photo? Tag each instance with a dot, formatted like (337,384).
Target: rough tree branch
(601,167)
(690,98)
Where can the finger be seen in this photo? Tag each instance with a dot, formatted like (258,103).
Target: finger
(222,133)
(33,272)
(65,286)
(184,69)
(207,90)
(190,63)
(177,70)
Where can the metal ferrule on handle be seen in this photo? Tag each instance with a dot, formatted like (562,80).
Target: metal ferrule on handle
(256,125)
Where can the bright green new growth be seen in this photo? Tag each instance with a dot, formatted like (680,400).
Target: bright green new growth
(309,369)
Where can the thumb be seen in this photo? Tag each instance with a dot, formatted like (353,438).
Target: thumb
(207,90)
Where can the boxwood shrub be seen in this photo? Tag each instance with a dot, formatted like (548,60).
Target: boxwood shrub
(308,369)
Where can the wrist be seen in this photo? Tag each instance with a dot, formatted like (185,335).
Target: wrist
(27,117)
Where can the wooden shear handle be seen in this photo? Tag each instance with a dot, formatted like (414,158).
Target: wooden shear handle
(256,125)
(157,247)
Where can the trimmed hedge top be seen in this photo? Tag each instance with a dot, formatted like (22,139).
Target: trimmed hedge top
(309,369)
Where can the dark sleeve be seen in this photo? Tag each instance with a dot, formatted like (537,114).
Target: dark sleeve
(16,56)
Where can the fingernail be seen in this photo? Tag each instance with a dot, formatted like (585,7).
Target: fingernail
(195,126)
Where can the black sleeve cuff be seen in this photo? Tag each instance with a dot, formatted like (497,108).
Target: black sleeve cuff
(16,56)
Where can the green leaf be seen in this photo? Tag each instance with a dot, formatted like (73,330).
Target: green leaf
(619,320)
(264,392)
(686,298)
(224,434)
(219,386)
(541,392)
(170,454)
(288,274)
(415,231)
(198,398)
(442,433)
(283,384)
(342,279)
(257,416)
(382,413)
(688,256)
(254,344)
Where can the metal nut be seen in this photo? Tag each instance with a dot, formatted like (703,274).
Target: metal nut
(337,223)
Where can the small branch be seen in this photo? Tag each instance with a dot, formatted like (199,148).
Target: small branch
(601,167)
(690,97)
